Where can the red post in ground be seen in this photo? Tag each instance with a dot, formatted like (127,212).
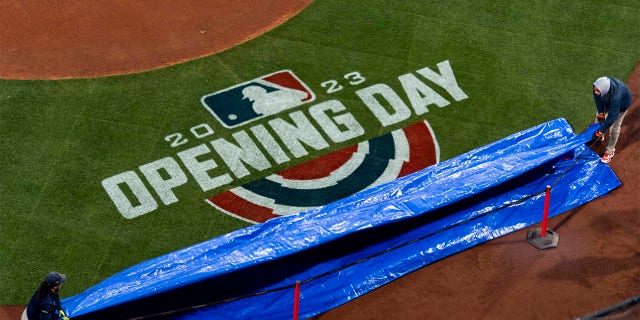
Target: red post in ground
(296,300)
(546,212)
(540,237)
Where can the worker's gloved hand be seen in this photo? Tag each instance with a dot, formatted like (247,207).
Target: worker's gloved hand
(597,137)
(600,118)
(62,315)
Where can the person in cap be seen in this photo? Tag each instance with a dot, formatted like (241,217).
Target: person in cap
(45,303)
(612,98)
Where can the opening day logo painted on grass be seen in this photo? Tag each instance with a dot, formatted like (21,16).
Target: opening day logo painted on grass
(295,127)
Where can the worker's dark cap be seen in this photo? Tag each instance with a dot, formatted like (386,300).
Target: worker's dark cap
(55,278)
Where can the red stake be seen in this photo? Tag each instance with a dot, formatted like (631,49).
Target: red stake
(296,300)
(546,212)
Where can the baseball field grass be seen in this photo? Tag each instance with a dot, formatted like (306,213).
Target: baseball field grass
(519,64)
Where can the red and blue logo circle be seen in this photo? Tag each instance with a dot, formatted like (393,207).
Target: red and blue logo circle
(331,177)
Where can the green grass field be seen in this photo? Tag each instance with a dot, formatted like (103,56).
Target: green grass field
(520,63)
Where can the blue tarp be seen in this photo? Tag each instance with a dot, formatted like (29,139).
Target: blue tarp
(347,248)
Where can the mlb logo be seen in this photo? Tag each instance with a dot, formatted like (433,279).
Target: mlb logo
(264,96)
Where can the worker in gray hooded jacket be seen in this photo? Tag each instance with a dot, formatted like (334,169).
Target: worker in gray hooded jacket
(612,98)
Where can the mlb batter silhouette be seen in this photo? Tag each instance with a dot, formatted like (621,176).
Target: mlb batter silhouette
(268,103)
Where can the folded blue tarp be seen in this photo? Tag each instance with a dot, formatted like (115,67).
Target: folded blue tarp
(347,248)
